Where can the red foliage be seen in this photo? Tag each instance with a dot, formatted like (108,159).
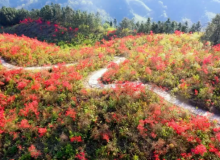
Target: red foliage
(2,121)
(24,124)
(34,152)
(105,136)
(178,33)
(216,48)
(71,113)
(76,139)
(81,156)
(42,131)
(200,149)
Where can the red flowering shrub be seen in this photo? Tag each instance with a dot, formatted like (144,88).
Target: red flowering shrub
(200,149)
(81,156)
(34,152)
(2,121)
(21,85)
(24,124)
(76,139)
(71,113)
(42,131)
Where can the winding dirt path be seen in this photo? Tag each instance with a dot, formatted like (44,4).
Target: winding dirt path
(92,82)
(10,66)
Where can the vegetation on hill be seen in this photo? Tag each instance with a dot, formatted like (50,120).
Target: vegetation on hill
(177,62)
(24,51)
(51,115)
(91,26)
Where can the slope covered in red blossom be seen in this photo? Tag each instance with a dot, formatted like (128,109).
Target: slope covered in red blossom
(51,114)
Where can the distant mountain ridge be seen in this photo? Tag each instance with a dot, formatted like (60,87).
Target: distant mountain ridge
(178,10)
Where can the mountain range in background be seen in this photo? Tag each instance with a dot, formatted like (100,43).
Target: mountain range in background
(178,10)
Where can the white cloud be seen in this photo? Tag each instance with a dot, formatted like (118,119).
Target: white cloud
(74,3)
(141,3)
(210,15)
(218,1)
(48,2)
(80,2)
(139,18)
(164,14)
(88,5)
(104,14)
(164,6)
(187,20)
(86,2)
(28,2)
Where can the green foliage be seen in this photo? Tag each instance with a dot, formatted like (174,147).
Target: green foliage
(212,32)
(11,16)
(26,156)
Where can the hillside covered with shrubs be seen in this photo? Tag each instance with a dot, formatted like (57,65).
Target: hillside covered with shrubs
(55,114)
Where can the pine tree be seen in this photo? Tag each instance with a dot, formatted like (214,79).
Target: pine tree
(148,25)
(67,15)
(185,27)
(198,26)
(137,24)
(193,28)
(179,27)
(35,14)
(173,26)
(141,28)
(212,32)
(115,23)
(154,27)
(8,16)
(57,13)
(126,23)
(46,12)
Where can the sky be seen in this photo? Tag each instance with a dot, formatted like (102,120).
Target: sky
(178,10)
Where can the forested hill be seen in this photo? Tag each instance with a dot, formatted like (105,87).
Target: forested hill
(90,26)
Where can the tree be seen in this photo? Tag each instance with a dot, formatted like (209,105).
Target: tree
(137,24)
(11,16)
(198,26)
(97,20)
(148,25)
(57,13)
(193,28)
(111,23)
(161,27)
(46,13)
(212,32)
(155,27)
(141,28)
(126,23)
(168,26)
(67,15)
(21,15)
(35,14)
(179,27)
(173,26)
(185,27)
(115,23)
